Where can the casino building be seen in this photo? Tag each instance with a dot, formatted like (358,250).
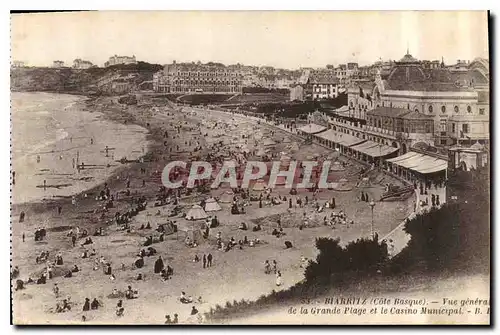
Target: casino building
(408,118)
(457,102)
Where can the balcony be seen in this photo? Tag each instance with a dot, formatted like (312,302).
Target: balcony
(347,125)
(380,132)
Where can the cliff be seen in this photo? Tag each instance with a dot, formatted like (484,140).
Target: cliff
(93,80)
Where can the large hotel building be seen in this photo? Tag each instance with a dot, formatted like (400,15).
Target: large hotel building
(197,78)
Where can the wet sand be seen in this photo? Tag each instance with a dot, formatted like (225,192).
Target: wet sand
(82,138)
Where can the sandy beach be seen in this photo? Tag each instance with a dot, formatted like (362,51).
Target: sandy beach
(236,275)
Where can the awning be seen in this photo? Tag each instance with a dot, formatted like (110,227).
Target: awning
(329,135)
(420,163)
(434,167)
(340,138)
(374,149)
(342,109)
(348,140)
(312,128)
(407,155)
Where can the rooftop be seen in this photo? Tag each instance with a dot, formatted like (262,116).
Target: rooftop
(398,113)
(408,59)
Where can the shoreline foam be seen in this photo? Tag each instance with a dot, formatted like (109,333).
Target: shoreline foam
(75,123)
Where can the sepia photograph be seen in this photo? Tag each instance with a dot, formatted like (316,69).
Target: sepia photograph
(250,168)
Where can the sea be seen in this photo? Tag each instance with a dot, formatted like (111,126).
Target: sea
(51,133)
(38,121)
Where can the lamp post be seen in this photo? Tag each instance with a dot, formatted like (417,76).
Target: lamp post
(372,205)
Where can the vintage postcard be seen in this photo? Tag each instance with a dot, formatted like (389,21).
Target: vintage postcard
(250,168)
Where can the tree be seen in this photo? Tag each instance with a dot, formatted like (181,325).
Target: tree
(360,255)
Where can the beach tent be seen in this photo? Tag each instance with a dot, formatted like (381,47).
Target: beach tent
(260,152)
(336,166)
(260,185)
(285,158)
(285,162)
(294,147)
(342,185)
(365,182)
(226,197)
(269,142)
(168,228)
(194,236)
(211,205)
(284,165)
(196,213)
(280,180)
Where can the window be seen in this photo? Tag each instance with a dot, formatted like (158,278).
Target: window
(408,106)
(465,128)
(428,127)
(453,128)
(430,109)
(455,109)
(469,109)
(416,110)
(443,109)
(481,111)
(443,142)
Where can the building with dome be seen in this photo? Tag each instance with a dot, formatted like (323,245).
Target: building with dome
(457,101)
(409,117)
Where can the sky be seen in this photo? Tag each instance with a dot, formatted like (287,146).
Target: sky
(280,39)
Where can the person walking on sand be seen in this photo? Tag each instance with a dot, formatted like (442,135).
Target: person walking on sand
(209,260)
(204,261)
(158,265)
(279,280)
(55,289)
(86,305)
(267,267)
(24,237)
